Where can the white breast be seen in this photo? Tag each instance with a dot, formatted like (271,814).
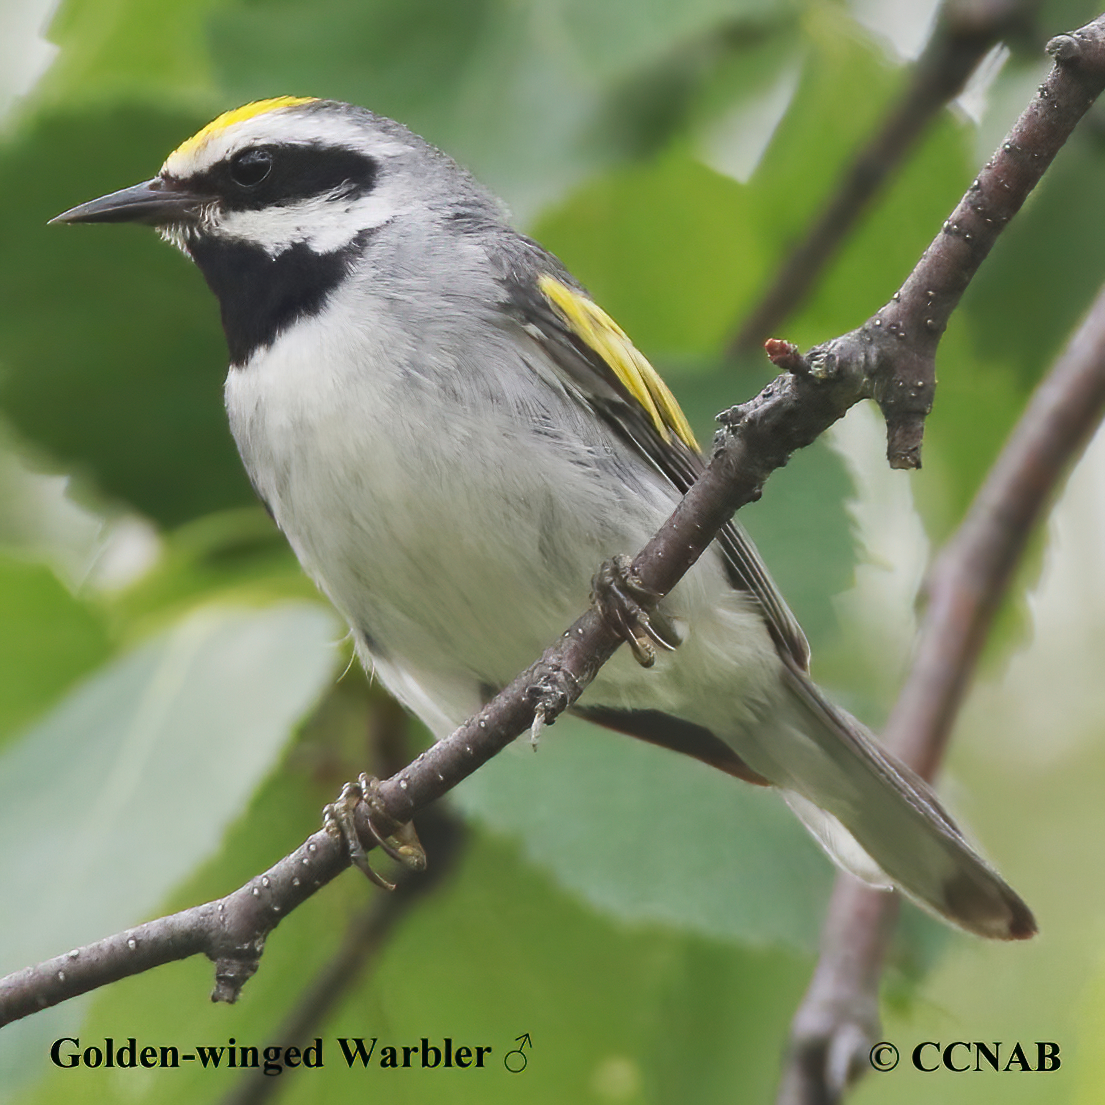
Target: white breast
(453,504)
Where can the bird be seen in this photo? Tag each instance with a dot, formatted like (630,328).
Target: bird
(452,435)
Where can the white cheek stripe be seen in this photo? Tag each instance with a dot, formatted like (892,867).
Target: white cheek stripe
(322,222)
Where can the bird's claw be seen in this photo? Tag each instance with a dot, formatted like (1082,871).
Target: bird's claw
(628,609)
(401,843)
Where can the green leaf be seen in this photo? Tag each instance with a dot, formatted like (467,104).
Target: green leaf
(113,355)
(47,640)
(521,93)
(133,779)
(844,91)
(612,1014)
(645,835)
(129,48)
(667,247)
(502,953)
(237,555)
(618,35)
(487,80)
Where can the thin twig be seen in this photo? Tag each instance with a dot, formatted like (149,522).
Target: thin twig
(901,339)
(969,579)
(365,936)
(837,1021)
(964,32)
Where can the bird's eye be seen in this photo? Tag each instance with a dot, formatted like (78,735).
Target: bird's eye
(250,167)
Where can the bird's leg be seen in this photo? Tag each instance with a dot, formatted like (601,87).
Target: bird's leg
(629,610)
(401,842)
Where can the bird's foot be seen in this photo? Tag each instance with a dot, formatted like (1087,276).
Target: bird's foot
(629,609)
(398,841)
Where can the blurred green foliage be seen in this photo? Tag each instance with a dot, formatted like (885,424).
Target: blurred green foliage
(652,943)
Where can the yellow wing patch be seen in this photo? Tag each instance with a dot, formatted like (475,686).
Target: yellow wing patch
(596,329)
(238,115)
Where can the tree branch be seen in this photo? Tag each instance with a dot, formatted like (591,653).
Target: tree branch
(442,835)
(757,437)
(969,579)
(963,34)
(837,1022)
(901,339)
(881,359)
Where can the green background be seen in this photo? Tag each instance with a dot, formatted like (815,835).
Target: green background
(173,708)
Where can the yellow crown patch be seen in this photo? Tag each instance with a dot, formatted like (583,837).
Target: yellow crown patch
(238,115)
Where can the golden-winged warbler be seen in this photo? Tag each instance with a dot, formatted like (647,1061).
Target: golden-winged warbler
(453,435)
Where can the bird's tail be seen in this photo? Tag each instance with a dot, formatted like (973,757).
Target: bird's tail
(879,820)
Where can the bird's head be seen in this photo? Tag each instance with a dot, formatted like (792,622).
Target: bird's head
(278,200)
(287,171)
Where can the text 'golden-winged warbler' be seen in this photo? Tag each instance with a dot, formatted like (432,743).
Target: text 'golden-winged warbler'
(453,436)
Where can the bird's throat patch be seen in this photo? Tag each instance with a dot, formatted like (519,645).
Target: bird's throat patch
(260,295)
